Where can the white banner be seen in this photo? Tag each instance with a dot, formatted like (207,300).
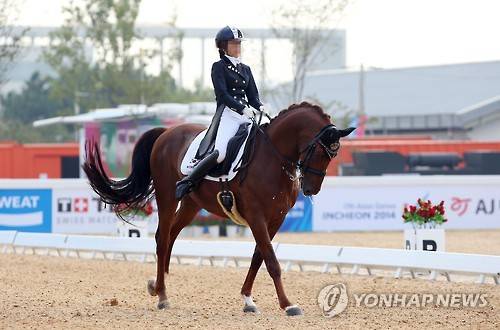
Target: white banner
(81,211)
(376,203)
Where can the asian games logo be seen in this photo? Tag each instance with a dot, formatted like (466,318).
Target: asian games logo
(459,205)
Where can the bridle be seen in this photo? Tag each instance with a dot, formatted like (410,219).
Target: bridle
(330,150)
(302,165)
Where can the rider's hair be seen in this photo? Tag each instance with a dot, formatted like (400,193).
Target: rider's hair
(222,46)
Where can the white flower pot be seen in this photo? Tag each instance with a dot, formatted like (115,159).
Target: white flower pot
(197,231)
(213,231)
(231,231)
(137,228)
(425,239)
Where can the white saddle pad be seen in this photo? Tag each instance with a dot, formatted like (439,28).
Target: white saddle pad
(186,164)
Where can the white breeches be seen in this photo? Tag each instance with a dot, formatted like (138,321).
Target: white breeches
(230,121)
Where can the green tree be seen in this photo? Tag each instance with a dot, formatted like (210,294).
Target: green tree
(21,108)
(10,45)
(93,54)
(31,103)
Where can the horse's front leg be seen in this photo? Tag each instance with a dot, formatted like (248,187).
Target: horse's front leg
(246,289)
(263,240)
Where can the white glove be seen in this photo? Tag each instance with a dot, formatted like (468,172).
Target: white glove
(248,112)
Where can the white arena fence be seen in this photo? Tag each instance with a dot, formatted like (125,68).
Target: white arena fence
(322,257)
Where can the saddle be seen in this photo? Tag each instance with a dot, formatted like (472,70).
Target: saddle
(238,153)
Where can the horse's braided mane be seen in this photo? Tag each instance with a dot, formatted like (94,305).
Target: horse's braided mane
(304,104)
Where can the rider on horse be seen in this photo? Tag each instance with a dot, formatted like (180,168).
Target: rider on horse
(235,92)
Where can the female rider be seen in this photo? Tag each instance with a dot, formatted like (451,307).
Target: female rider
(235,92)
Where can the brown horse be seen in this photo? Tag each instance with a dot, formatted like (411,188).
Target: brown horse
(291,152)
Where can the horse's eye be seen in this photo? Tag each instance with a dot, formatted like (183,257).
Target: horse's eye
(334,145)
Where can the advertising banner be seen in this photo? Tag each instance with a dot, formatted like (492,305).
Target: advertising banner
(26,210)
(344,204)
(369,207)
(299,218)
(81,211)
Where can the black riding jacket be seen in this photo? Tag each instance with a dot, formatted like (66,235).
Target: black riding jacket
(234,85)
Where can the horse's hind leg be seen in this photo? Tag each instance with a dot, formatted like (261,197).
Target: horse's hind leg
(183,217)
(166,211)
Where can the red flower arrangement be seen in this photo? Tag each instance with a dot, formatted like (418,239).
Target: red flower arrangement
(424,214)
(125,211)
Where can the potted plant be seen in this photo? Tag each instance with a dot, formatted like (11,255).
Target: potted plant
(136,219)
(425,219)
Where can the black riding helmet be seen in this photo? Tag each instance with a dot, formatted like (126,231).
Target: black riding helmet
(225,34)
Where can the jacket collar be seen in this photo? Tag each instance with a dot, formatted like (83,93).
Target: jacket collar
(230,66)
(234,60)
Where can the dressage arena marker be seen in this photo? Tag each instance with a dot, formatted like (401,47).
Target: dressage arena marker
(324,256)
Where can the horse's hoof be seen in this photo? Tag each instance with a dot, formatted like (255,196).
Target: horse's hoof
(251,309)
(163,304)
(250,306)
(293,310)
(151,287)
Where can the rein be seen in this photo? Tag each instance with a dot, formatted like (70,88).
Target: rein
(289,162)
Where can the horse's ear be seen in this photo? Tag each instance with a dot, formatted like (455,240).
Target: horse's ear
(345,132)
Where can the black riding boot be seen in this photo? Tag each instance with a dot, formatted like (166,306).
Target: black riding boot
(185,186)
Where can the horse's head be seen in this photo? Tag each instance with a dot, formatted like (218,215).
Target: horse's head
(317,154)
(308,142)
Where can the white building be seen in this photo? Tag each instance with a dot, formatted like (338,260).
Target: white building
(446,101)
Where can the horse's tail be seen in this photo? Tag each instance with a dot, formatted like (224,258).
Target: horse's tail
(135,190)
